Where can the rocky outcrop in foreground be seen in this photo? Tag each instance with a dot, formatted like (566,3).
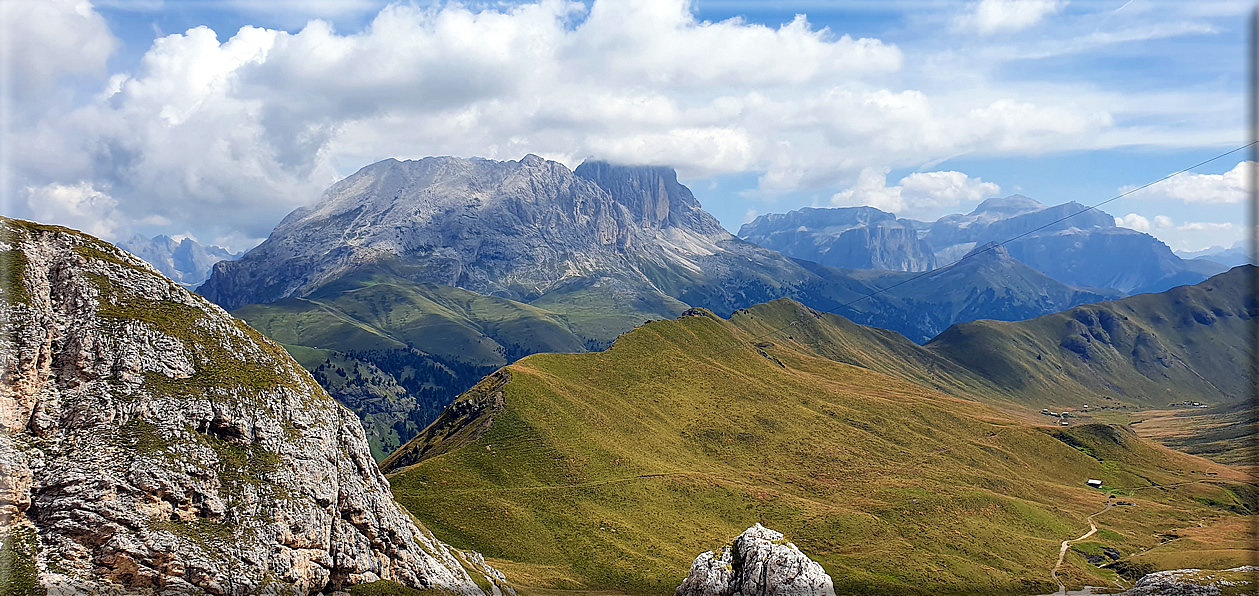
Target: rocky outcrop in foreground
(1196,582)
(150,443)
(759,563)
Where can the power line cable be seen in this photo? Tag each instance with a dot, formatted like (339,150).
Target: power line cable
(994,245)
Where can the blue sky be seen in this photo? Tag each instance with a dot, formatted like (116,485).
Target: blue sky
(215,119)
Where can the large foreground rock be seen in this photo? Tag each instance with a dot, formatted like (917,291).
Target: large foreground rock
(760,563)
(1196,582)
(150,443)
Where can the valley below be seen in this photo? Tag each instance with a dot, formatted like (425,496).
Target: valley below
(616,468)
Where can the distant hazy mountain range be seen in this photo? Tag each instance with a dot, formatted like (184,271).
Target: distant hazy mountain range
(605,247)
(850,238)
(411,279)
(185,261)
(1084,249)
(1229,257)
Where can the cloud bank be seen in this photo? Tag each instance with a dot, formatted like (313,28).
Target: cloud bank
(222,133)
(1190,187)
(920,193)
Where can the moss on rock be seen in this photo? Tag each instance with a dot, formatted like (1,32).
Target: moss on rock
(19,572)
(13,276)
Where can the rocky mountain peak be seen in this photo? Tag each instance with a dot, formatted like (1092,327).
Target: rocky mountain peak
(151,443)
(652,194)
(186,261)
(989,251)
(845,237)
(513,229)
(532,160)
(815,218)
(1008,206)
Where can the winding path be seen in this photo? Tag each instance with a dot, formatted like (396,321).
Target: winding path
(1062,552)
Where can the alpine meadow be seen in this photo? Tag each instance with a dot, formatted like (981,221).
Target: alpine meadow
(628,298)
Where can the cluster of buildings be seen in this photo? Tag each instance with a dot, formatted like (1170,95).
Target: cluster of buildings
(1064,415)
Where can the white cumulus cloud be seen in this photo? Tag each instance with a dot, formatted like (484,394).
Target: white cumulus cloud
(916,194)
(1134,221)
(1186,235)
(1205,226)
(988,17)
(44,40)
(1229,187)
(79,206)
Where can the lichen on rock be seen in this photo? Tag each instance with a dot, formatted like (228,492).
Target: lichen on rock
(149,442)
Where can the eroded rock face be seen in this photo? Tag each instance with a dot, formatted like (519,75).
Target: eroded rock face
(760,563)
(149,442)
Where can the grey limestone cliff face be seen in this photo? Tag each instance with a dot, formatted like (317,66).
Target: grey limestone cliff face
(759,563)
(150,443)
(652,195)
(848,238)
(515,229)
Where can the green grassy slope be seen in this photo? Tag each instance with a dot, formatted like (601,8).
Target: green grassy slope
(618,468)
(375,310)
(1224,434)
(1150,349)
(396,352)
(600,309)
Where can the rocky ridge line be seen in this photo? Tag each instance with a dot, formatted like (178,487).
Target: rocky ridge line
(150,443)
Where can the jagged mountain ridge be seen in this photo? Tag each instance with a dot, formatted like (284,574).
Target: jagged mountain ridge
(1187,342)
(589,253)
(517,229)
(535,232)
(1238,254)
(989,284)
(848,238)
(186,261)
(1086,248)
(150,443)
